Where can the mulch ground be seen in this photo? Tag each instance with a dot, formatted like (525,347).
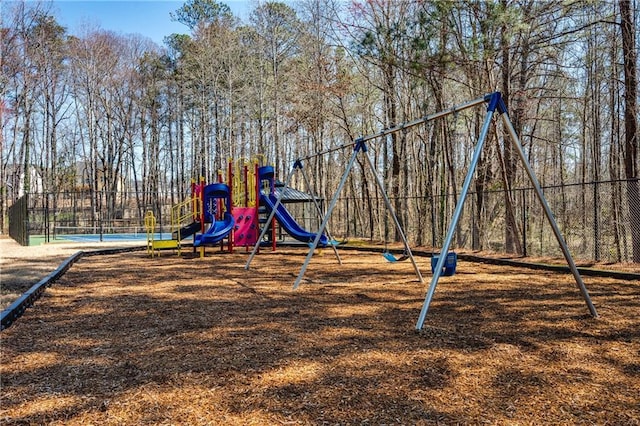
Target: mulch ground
(125,339)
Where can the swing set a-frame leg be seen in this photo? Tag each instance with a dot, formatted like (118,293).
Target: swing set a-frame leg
(496,102)
(549,214)
(454,221)
(360,146)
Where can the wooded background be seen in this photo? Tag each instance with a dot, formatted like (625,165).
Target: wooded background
(124,124)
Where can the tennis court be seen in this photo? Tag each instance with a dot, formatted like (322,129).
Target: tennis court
(35,240)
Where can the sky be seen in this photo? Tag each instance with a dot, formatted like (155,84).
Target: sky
(147,17)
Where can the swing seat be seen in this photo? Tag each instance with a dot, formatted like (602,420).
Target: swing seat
(391,258)
(449,267)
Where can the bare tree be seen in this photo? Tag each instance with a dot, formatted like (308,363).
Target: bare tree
(631,122)
(278,29)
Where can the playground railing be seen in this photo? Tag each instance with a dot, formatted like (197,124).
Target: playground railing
(184,213)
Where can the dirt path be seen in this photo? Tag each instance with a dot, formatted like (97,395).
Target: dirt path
(21,267)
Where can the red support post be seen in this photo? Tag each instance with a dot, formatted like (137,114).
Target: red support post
(202,217)
(257,189)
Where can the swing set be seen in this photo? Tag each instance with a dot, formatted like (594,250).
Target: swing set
(444,263)
(391,257)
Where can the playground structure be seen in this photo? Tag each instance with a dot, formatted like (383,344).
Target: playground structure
(444,263)
(231,211)
(213,204)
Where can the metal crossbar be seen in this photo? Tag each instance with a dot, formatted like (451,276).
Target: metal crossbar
(495,103)
(360,147)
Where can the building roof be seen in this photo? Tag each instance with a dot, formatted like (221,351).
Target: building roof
(291,195)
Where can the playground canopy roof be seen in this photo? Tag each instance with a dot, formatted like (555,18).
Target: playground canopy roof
(291,195)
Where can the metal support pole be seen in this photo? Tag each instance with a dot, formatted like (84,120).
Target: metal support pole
(395,218)
(426,119)
(403,126)
(327,215)
(524,223)
(547,211)
(318,209)
(454,221)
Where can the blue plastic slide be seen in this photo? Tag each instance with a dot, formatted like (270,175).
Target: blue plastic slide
(288,222)
(219,229)
(217,232)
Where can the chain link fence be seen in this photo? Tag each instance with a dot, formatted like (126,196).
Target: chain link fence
(594,218)
(84,212)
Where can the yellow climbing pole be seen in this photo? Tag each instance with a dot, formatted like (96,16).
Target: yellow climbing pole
(150,227)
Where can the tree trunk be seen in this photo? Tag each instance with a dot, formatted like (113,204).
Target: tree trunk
(508,163)
(631,123)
